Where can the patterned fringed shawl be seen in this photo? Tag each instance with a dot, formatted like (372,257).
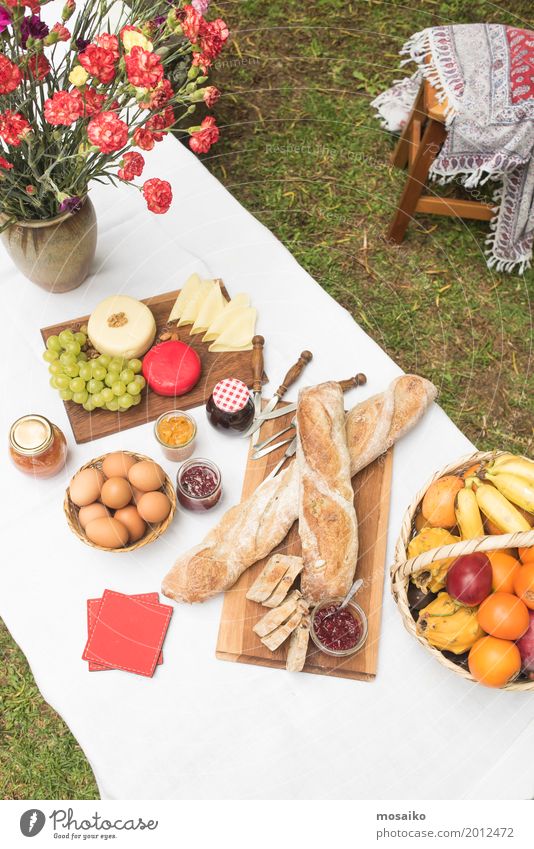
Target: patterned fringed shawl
(485,73)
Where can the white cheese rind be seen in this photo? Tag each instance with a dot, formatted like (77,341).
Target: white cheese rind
(121,326)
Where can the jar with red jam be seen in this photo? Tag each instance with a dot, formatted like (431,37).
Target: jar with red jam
(230,406)
(338,631)
(37,446)
(198,484)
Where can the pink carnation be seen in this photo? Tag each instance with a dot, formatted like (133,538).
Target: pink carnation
(63,108)
(132,166)
(143,68)
(158,195)
(201,140)
(10,75)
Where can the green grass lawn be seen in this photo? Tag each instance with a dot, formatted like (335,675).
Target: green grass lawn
(302,151)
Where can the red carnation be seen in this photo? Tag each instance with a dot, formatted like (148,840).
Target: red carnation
(144,69)
(107,132)
(213,35)
(159,97)
(143,138)
(108,42)
(13,127)
(92,101)
(98,62)
(64,107)
(5,164)
(62,32)
(160,122)
(132,166)
(10,75)
(211,96)
(38,66)
(191,22)
(202,140)
(158,195)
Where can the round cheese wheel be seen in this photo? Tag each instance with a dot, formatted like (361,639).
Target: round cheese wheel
(121,326)
(172,368)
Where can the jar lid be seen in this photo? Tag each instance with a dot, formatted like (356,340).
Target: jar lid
(31,435)
(231,395)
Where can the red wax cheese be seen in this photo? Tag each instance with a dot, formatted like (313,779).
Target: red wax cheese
(172,368)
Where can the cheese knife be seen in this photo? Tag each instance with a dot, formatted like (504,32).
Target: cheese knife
(294,372)
(290,450)
(257,375)
(357,380)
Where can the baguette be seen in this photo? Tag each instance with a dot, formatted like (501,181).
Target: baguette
(250,530)
(328,526)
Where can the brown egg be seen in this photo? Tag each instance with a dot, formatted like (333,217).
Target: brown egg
(154,507)
(107,532)
(85,487)
(116,493)
(146,475)
(131,519)
(92,511)
(118,464)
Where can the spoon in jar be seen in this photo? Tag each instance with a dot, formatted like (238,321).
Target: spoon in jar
(357,585)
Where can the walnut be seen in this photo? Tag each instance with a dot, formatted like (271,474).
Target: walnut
(118,319)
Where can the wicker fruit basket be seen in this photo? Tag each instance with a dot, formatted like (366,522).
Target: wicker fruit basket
(153,532)
(404,568)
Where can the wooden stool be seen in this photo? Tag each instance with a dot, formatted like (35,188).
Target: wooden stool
(417,148)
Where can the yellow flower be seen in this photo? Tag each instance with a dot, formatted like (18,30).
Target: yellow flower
(130,39)
(78,76)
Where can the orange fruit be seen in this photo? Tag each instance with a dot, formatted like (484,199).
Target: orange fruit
(503,615)
(524,584)
(420,522)
(438,503)
(472,471)
(503,567)
(494,662)
(526,555)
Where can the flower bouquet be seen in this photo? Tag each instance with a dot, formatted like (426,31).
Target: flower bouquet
(80,100)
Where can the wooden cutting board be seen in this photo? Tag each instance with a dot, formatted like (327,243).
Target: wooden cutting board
(87,426)
(238,642)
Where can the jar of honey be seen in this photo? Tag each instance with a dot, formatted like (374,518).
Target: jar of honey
(37,446)
(176,433)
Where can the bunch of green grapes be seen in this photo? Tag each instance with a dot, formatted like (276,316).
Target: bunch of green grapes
(109,382)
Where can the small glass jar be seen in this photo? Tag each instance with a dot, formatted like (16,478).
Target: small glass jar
(198,484)
(180,427)
(355,611)
(230,406)
(37,446)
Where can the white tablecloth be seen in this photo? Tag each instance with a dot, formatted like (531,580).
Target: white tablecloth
(203,728)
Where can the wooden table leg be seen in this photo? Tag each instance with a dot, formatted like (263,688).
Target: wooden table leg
(401,153)
(433,137)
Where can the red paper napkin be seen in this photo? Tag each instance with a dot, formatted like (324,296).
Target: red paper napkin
(93,607)
(128,633)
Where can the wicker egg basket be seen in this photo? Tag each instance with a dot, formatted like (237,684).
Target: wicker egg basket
(403,568)
(154,531)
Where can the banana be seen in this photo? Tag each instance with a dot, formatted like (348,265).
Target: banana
(519,466)
(515,489)
(468,514)
(499,510)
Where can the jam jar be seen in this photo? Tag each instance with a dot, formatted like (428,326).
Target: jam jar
(37,446)
(338,632)
(230,406)
(198,484)
(176,433)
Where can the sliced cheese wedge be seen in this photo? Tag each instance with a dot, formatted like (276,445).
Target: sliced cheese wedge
(193,304)
(190,286)
(238,334)
(210,308)
(220,322)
